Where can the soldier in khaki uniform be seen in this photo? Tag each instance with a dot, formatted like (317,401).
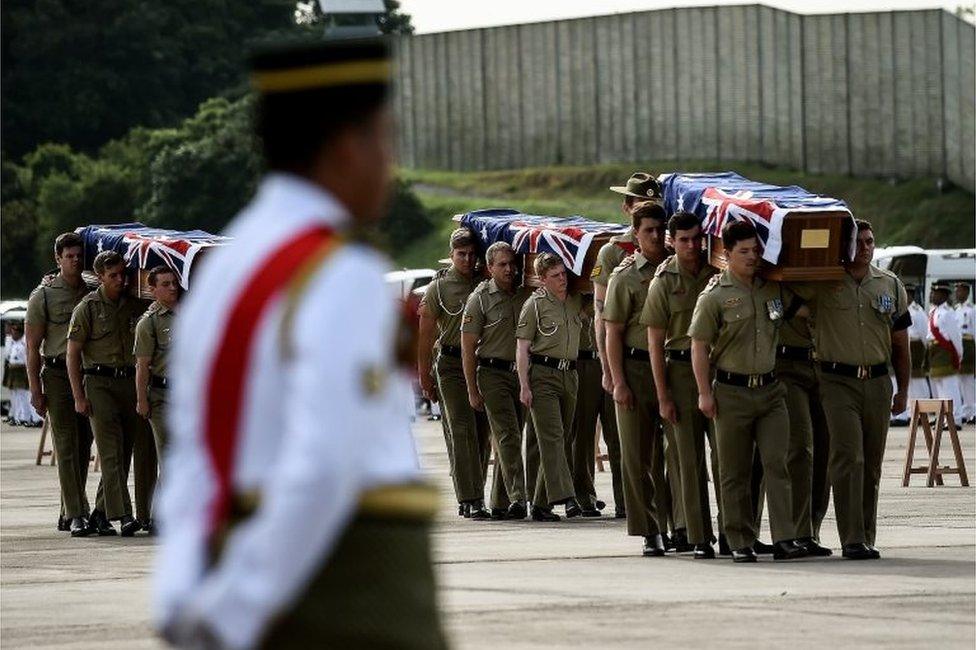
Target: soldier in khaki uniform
(593,402)
(48,315)
(442,309)
(153,338)
(641,442)
(735,326)
(667,314)
(488,348)
(101,337)
(861,326)
(548,335)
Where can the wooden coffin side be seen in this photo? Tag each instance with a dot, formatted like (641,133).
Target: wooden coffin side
(814,247)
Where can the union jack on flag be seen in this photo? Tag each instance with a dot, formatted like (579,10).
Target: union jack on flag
(567,237)
(144,248)
(721,197)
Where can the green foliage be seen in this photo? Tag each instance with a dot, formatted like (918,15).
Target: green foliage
(407,220)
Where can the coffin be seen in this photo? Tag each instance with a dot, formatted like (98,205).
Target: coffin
(804,236)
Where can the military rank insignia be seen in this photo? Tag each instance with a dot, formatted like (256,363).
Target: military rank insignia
(775,308)
(596,271)
(373,380)
(886,304)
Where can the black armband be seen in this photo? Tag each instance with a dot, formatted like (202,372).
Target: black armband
(903,322)
(794,307)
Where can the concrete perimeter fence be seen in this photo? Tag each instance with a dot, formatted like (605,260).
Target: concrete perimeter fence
(869,94)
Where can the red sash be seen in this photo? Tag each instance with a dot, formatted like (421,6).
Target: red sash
(230,367)
(943,342)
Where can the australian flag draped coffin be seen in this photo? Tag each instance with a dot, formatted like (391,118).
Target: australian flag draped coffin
(574,239)
(144,248)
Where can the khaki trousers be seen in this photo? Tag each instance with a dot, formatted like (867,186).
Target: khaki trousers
(592,403)
(72,438)
(857,412)
(809,445)
(469,431)
(553,406)
(749,418)
(506,416)
(691,432)
(642,453)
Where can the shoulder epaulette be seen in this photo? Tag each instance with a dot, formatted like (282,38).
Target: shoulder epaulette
(48,280)
(541,291)
(663,266)
(712,282)
(441,273)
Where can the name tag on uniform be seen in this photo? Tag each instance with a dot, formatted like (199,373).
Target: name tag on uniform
(775,308)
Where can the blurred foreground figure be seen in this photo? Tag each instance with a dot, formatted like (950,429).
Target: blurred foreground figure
(292,513)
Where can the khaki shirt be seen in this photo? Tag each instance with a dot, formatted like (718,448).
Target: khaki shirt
(671,301)
(626,294)
(854,319)
(445,298)
(796,332)
(551,325)
(153,332)
(492,314)
(50,305)
(105,329)
(612,254)
(740,322)
(588,331)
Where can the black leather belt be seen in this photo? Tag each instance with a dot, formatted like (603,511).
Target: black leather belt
(55,362)
(637,354)
(553,362)
(794,353)
(746,381)
(678,355)
(588,355)
(497,364)
(157,381)
(854,372)
(110,371)
(451,351)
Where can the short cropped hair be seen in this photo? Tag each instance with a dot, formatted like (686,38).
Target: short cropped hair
(496,248)
(544,262)
(736,231)
(647,210)
(107,260)
(461,238)
(67,240)
(158,271)
(682,220)
(863,224)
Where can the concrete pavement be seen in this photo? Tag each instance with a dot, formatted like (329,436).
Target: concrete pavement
(530,585)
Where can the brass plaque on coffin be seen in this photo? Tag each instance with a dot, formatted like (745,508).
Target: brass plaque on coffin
(815,238)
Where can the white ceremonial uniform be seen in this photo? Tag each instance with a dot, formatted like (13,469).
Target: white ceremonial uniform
(947,387)
(918,387)
(966,315)
(21,410)
(314,431)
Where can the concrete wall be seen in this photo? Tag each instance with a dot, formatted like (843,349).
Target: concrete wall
(872,94)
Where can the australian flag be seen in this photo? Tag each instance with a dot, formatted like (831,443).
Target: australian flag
(718,198)
(567,237)
(144,248)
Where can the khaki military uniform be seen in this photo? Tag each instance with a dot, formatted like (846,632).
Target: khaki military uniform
(592,402)
(50,306)
(153,337)
(742,323)
(491,314)
(552,327)
(809,440)
(854,321)
(469,433)
(669,306)
(646,491)
(105,330)
(611,255)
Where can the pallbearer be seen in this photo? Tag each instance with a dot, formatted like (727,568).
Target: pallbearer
(293,509)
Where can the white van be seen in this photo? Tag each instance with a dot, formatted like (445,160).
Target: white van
(408,281)
(922,267)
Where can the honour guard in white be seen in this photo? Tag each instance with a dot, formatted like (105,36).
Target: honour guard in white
(918,387)
(966,315)
(944,342)
(292,509)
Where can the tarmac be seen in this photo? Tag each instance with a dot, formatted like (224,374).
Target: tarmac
(572,583)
